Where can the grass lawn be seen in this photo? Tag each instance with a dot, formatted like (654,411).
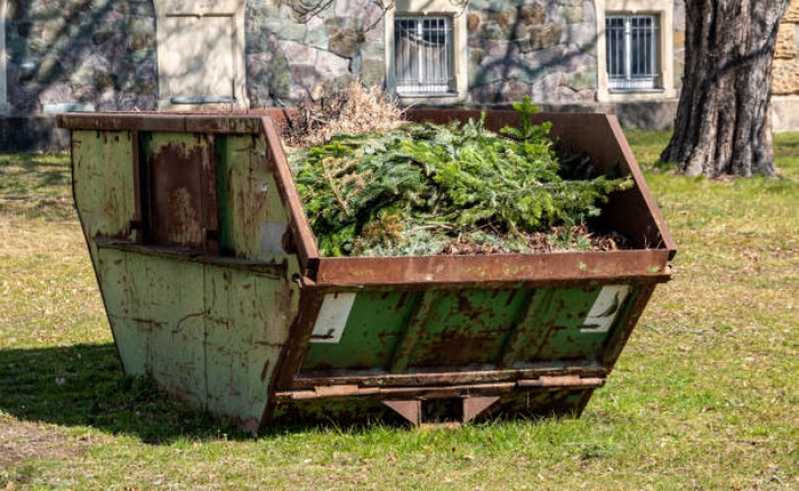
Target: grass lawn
(704,396)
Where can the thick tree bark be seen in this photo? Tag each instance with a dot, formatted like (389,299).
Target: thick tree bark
(721,125)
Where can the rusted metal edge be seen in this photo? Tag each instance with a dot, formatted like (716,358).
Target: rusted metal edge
(235,124)
(304,239)
(432,377)
(640,183)
(192,255)
(615,344)
(450,390)
(293,353)
(644,265)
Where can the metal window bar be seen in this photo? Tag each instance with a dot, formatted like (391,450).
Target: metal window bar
(423,55)
(632,51)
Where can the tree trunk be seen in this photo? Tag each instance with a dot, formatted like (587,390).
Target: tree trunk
(721,125)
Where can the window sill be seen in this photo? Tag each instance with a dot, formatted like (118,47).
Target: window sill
(427,95)
(637,91)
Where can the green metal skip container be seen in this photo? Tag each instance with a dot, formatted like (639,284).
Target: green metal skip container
(214,287)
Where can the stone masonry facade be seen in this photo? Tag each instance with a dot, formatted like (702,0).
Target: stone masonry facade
(102,54)
(541,49)
(99,53)
(786,58)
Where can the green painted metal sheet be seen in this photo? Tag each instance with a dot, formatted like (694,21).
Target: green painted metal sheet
(103,181)
(398,331)
(252,217)
(373,327)
(209,335)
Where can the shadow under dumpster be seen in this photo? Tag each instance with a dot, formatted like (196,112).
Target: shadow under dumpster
(83,385)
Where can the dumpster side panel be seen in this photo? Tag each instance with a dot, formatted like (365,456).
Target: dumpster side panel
(252,218)
(246,328)
(209,335)
(156,310)
(368,332)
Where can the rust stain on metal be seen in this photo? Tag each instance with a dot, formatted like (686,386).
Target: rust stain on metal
(177,193)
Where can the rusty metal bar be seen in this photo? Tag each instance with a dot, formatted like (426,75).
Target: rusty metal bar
(293,353)
(415,392)
(558,381)
(192,255)
(210,206)
(585,369)
(543,269)
(135,151)
(149,121)
(304,239)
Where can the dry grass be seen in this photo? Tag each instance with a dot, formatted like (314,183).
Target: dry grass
(356,109)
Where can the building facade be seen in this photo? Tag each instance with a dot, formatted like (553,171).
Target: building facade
(623,56)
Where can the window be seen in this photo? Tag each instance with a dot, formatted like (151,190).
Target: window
(632,52)
(201,53)
(423,55)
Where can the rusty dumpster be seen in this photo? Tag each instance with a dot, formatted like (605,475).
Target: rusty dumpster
(213,285)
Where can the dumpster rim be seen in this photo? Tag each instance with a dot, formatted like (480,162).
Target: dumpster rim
(650,265)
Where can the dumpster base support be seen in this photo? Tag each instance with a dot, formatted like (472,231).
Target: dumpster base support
(473,406)
(411,410)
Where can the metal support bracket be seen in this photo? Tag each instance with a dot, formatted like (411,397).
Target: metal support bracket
(474,406)
(411,410)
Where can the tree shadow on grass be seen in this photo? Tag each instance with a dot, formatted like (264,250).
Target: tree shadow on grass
(84,385)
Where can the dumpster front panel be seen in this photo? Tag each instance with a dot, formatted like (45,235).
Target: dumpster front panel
(103,182)
(465,329)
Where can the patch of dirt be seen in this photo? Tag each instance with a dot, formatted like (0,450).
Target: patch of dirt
(20,441)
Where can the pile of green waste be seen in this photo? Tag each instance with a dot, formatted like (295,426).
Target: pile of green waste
(426,189)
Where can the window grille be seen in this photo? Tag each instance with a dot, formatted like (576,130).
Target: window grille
(632,49)
(423,55)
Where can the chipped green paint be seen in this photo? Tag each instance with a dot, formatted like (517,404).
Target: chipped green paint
(463,328)
(208,334)
(102,181)
(252,217)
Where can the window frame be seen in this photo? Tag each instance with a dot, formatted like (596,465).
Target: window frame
(424,85)
(629,81)
(665,89)
(457,13)
(168,70)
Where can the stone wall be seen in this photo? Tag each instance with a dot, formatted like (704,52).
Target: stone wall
(100,53)
(786,58)
(291,55)
(543,49)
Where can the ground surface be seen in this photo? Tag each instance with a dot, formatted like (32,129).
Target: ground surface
(704,396)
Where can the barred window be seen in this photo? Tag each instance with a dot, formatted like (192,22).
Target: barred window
(632,51)
(423,55)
